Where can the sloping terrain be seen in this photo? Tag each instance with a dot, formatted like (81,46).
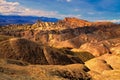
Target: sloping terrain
(10,71)
(70,49)
(4,37)
(31,52)
(105,67)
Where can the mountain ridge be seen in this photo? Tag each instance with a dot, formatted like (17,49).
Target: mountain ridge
(37,50)
(16,19)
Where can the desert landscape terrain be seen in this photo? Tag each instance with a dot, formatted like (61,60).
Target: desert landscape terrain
(69,49)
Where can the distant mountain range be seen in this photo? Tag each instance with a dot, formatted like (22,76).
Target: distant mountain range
(15,19)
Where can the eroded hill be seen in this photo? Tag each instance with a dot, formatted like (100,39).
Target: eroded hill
(94,45)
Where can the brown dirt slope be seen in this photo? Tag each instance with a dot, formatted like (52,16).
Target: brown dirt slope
(29,51)
(105,67)
(10,71)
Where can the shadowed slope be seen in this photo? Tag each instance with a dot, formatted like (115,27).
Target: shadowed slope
(28,51)
(22,49)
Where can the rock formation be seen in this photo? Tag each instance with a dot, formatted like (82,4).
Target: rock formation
(71,49)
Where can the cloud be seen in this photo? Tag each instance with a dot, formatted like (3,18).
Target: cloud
(14,8)
(8,7)
(70,15)
(68,0)
(64,0)
(114,20)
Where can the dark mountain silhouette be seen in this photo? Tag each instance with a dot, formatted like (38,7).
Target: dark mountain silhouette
(11,19)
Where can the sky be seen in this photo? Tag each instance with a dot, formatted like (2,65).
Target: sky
(92,10)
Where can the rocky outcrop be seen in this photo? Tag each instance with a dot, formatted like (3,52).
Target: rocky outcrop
(61,24)
(69,33)
(74,22)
